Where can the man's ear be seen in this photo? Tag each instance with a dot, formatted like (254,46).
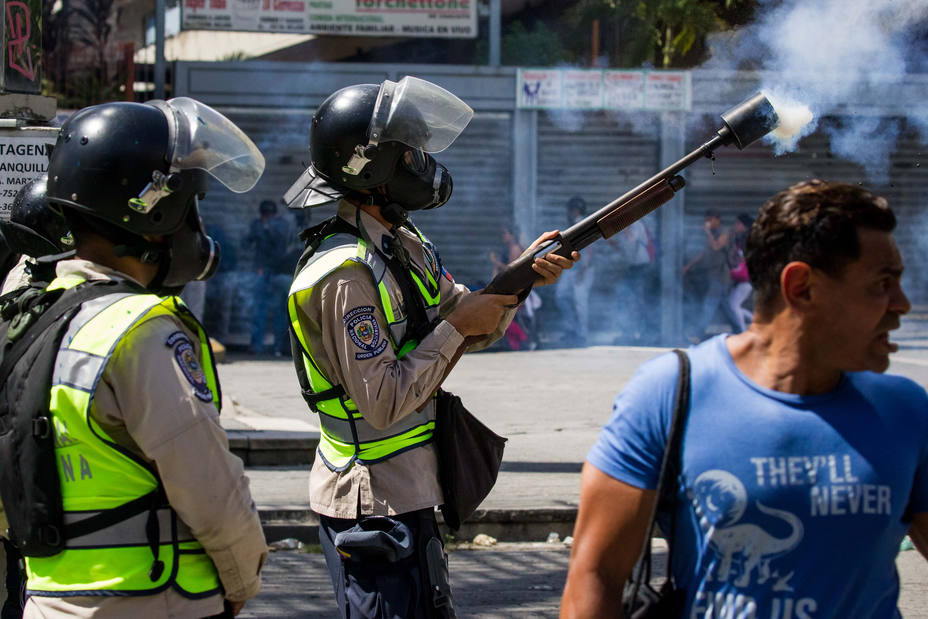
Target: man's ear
(796,285)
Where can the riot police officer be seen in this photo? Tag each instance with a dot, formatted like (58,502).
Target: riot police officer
(135,396)
(33,231)
(377,322)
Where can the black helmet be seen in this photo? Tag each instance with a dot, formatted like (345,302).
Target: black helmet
(35,229)
(140,167)
(368,136)
(338,127)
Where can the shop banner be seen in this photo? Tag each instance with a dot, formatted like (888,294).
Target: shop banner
(453,19)
(604,89)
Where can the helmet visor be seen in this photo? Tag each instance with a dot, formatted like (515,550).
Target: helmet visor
(205,139)
(418,114)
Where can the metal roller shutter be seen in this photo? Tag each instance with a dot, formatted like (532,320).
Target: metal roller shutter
(598,156)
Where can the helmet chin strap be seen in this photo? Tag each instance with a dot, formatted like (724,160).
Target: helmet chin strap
(149,252)
(156,285)
(391,211)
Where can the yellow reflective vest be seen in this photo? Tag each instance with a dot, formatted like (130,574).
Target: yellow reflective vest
(345,436)
(152,549)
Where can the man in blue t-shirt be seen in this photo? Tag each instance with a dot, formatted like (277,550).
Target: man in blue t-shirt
(803,466)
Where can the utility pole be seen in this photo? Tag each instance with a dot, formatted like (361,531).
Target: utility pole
(495,28)
(159,49)
(25,134)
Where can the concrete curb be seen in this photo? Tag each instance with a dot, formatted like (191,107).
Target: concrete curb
(506,525)
(273,448)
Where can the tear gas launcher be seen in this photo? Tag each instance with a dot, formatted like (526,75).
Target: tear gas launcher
(743,124)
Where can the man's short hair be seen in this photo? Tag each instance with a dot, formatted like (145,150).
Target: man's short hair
(267,207)
(814,222)
(713,212)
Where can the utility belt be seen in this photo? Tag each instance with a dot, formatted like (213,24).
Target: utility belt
(386,544)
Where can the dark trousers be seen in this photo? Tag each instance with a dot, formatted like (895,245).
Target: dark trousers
(15,582)
(381,590)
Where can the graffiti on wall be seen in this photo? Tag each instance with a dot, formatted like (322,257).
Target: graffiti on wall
(23,46)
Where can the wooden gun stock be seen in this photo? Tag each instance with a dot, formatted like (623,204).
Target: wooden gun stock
(519,277)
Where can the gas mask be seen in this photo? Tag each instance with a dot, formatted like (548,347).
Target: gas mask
(192,254)
(419,182)
(188,254)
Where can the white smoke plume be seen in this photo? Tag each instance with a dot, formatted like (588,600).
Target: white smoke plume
(820,55)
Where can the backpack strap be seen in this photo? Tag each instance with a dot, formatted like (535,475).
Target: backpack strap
(40,309)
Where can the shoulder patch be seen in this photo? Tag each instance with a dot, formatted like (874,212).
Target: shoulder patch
(189,365)
(447,275)
(431,261)
(364,331)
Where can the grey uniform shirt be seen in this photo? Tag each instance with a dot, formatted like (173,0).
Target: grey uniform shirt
(148,405)
(384,388)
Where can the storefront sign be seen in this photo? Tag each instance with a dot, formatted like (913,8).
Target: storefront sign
(453,19)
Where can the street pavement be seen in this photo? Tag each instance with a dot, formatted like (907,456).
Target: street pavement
(500,582)
(511,580)
(550,404)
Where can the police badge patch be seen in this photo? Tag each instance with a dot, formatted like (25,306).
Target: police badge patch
(364,331)
(189,365)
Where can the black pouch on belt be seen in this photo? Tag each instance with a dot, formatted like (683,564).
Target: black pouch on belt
(376,539)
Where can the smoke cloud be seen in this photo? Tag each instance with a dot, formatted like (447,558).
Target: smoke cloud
(818,57)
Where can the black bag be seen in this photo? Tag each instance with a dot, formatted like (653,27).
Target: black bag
(469,456)
(639,599)
(32,323)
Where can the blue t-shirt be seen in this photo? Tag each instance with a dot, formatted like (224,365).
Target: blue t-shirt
(789,507)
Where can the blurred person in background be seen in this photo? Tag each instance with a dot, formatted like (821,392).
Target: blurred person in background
(713,259)
(572,293)
(522,332)
(634,303)
(272,237)
(740,280)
